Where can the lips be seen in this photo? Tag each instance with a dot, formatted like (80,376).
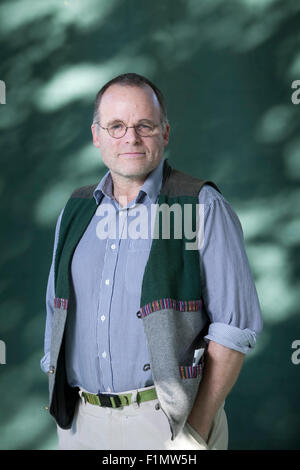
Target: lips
(133,153)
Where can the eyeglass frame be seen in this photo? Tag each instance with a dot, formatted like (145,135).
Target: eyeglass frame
(126,127)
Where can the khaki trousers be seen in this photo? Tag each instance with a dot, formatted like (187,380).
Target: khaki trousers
(141,426)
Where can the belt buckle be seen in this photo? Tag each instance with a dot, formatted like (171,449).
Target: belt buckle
(105,400)
(134,399)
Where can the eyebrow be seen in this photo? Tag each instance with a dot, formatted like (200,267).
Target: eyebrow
(112,121)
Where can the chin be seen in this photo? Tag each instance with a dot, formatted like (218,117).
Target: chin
(131,170)
(135,163)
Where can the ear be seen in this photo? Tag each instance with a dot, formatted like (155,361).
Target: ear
(96,140)
(166,135)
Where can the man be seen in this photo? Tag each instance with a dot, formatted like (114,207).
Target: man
(145,336)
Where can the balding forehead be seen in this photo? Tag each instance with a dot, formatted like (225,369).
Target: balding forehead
(120,86)
(116,90)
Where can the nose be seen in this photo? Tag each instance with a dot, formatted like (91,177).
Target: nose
(132,136)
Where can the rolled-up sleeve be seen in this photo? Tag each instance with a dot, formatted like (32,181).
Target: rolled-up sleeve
(50,294)
(228,291)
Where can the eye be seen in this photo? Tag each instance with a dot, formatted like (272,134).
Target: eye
(116,126)
(144,126)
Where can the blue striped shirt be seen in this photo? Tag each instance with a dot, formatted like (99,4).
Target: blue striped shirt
(106,348)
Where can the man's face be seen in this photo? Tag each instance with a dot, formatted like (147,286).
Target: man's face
(131,156)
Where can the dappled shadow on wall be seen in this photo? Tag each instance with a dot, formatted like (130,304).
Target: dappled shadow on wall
(226,69)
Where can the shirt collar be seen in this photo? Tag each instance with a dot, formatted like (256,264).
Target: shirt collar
(151,186)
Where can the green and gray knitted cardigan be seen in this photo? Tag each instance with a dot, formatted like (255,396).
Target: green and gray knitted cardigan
(170,304)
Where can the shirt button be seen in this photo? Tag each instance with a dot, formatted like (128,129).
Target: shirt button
(107,282)
(104,354)
(103,318)
(146,367)
(113,246)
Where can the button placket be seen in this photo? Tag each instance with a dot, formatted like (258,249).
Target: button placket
(122,223)
(111,250)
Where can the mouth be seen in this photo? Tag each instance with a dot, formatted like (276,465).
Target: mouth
(132,154)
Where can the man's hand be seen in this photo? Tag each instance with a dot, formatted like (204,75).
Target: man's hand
(221,370)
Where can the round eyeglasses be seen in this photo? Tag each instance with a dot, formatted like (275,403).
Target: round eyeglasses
(118,130)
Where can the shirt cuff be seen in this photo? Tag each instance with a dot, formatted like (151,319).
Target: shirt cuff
(232,337)
(45,363)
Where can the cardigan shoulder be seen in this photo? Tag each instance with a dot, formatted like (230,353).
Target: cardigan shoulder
(177,183)
(84,192)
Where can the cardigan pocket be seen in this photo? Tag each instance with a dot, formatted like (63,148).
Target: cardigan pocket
(190,372)
(195,370)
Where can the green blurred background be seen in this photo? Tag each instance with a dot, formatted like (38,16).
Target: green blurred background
(226,69)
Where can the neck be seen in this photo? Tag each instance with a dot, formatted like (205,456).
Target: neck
(126,190)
